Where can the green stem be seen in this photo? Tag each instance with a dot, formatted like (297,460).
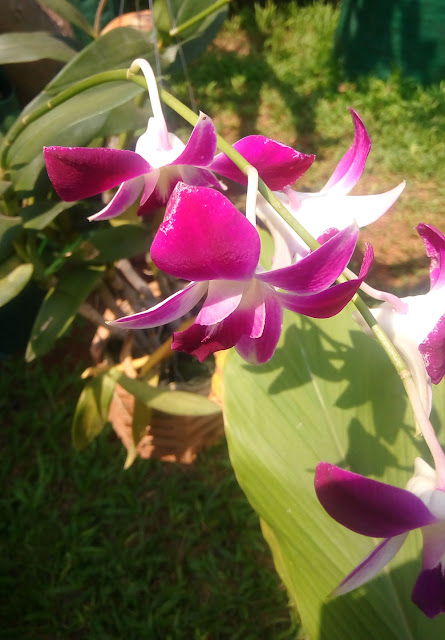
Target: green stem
(119,75)
(242,164)
(199,16)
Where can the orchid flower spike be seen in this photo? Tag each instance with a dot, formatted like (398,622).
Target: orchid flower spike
(205,239)
(149,173)
(416,324)
(331,208)
(380,510)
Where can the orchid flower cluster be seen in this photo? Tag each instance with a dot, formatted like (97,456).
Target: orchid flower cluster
(205,240)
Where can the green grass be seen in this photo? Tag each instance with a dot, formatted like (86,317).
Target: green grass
(92,551)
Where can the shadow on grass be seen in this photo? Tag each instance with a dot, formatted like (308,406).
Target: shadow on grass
(91,551)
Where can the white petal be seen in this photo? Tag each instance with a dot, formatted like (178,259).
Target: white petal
(372,564)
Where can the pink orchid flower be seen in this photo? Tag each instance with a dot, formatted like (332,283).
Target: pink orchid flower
(380,510)
(205,239)
(331,208)
(160,161)
(416,324)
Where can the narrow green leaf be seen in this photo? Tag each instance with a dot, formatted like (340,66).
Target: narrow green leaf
(38,216)
(195,40)
(50,129)
(14,282)
(170,401)
(4,186)
(9,228)
(91,414)
(59,309)
(114,50)
(329,393)
(29,47)
(66,10)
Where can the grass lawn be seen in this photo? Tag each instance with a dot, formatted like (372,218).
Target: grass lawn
(90,551)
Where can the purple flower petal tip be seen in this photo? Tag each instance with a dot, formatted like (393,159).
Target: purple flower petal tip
(351,166)
(367,506)
(434,242)
(204,237)
(78,172)
(200,149)
(277,164)
(429,591)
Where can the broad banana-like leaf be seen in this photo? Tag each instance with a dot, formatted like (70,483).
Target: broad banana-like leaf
(329,393)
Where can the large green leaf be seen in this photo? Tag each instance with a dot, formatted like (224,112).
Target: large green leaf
(92,409)
(114,50)
(66,10)
(59,308)
(329,393)
(50,129)
(180,403)
(12,283)
(29,47)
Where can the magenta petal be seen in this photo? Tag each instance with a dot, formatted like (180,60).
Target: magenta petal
(150,182)
(367,506)
(429,591)
(331,301)
(318,269)
(201,147)
(223,298)
(278,165)
(371,565)
(433,351)
(81,172)
(434,242)
(124,197)
(261,349)
(198,177)
(201,341)
(350,167)
(203,237)
(168,310)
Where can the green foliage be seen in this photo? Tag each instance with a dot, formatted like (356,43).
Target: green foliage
(170,401)
(70,13)
(28,47)
(317,399)
(59,308)
(16,278)
(91,414)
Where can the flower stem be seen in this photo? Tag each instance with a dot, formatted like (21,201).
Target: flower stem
(199,16)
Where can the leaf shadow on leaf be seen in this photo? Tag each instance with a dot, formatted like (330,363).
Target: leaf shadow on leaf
(336,620)
(308,353)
